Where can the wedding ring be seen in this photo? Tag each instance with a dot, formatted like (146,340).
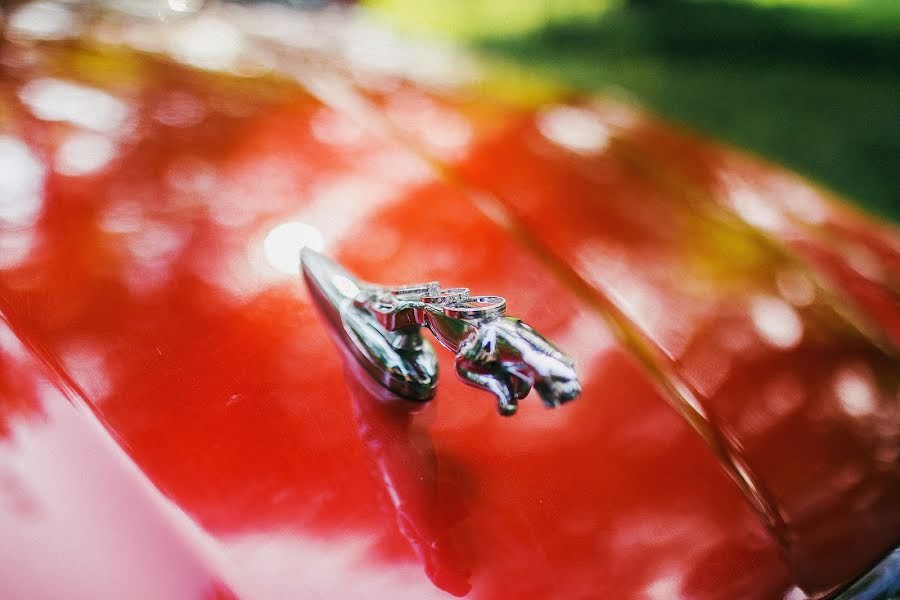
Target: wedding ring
(448,296)
(416,290)
(477,307)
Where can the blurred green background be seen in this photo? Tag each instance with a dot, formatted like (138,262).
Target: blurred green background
(810,84)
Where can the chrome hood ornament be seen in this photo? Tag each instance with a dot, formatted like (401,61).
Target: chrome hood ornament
(382,326)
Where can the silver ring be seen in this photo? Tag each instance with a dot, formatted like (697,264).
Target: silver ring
(416,290)
(448,296)
(477,307)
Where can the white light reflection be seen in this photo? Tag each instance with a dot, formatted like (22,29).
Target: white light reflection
(855,390)
(449,134)
(11,346)
(784,394)
(270,562)
(753,208)
(334,128)
(740,337)
(283,243)
(371,48)
(58,100)
(207,42)
(156,242)
(664,588)
(795,593)
(231,202)
(805,204)
(577,129)
(15,247)
(776,322)
(41,20)
(186,6)
(138,8)
(445,132)
(86,363)
(336,211)
(865,262)
(180,109)
(796,287)
(83,152)
(191,175)
(153,248)
(122,217)
(21,183)
(72,503)
(624,276)
(344,285)
(706,367)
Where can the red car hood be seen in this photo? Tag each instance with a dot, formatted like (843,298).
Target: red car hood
(177,423)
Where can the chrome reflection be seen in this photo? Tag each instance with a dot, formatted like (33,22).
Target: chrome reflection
(881,583)
(404,461)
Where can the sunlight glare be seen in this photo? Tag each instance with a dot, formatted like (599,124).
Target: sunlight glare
(42,21)
(83,153)
(855,391)
(283,243)
(207,42)
(776,322)
(58,100)
(796,287)
(21,183)
(576,129)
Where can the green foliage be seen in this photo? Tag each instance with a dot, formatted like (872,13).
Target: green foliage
(812,84)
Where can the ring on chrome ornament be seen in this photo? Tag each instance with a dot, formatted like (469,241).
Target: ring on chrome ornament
(382,327)
(415,290)
(477,307)
(448,296)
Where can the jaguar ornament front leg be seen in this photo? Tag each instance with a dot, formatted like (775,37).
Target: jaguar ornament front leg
(507,358)
(491,381)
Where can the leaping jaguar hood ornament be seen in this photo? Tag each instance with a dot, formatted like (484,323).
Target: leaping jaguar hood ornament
(382,327)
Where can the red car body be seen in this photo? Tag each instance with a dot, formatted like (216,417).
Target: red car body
(176,422)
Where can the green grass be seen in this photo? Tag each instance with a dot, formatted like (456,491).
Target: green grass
(811,84)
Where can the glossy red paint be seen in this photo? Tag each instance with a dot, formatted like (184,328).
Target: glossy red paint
(78,518)
(745,329)
(855,254)
(148,317)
